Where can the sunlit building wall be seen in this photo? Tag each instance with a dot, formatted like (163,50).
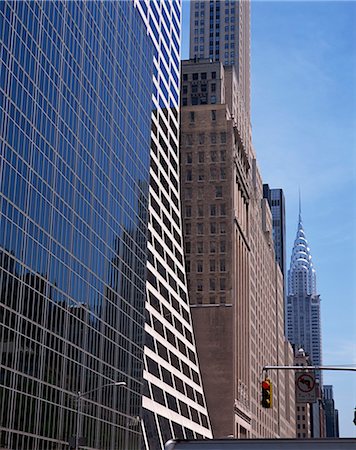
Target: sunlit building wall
(173,402)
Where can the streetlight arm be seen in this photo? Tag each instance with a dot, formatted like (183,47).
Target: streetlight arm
(83,394)
(80,395)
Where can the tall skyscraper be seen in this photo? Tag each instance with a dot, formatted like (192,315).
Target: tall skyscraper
(173,402)
(303,302)
(220,31)
(276,203)
(75,105)
(235,285)
(331,414)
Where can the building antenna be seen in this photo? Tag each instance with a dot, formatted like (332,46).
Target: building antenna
(300,206)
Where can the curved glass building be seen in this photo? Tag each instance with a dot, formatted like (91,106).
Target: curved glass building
(75,107)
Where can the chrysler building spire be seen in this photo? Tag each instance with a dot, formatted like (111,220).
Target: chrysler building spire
(303,302)
(301,266)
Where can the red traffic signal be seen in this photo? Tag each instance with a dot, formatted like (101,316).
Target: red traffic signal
(266,401)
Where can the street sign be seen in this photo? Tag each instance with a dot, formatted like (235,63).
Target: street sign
(305,391)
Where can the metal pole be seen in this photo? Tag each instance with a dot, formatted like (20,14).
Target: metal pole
(265,368)
(79,396)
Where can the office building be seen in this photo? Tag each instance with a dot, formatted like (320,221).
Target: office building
(173,401)
(303,302)
(276,202)
(331,414)
(75,105)
(220,31)
(235,285)
(303,317)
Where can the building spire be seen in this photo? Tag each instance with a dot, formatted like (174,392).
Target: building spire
(300,206)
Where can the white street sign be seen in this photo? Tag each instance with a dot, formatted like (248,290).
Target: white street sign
(305,391)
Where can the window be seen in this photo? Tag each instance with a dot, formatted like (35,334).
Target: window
(194,100)
(213,228)
(200,228)
(213,138)
(201,176)
(188,228)
(222,173)
(222,228)
(222,246)
(201,157)
(195,76)
(185,89)
(223,155)
(213,87)
(213,75)
(212,247)
(188,247)
(223,209)
(189,176)
(188,193)
(212,99)
(200,247)
(199,266)
(184,101)
(213,156)
(212,284)
(222,284)
(213,173)
(200,210)
(212,265)
(199,285)
(189,158)
(218,191)
(213,210)
(185,77)
(201,138)
(187,265)
(223,137)
(222,265)
(188,211)
(203,75)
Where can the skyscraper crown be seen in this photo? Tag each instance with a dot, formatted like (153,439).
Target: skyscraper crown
(301,274)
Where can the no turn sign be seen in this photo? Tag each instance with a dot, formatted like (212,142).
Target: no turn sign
(305,391)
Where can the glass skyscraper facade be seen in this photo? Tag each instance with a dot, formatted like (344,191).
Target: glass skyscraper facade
(75,106)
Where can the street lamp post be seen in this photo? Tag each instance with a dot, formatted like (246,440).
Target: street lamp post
(80,395)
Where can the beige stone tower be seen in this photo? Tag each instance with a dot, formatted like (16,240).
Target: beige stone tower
(235,286)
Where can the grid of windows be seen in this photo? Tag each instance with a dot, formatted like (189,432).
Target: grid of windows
(168,326)
(75,104)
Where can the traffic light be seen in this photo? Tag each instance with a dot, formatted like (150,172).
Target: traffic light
(266,393)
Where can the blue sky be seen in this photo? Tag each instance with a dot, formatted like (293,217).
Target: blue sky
(303,87)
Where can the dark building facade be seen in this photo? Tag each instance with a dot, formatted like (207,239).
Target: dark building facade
(276,201)
(75,106)
(331,414)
